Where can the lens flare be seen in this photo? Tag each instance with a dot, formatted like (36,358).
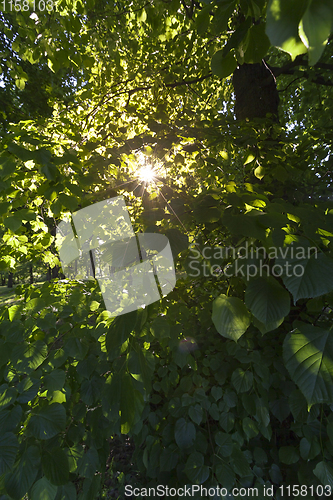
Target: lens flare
(146,174)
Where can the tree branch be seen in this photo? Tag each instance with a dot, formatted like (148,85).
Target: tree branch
(188,82)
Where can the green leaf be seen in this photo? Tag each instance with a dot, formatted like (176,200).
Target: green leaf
(260,456)
(225,475)
(178,241)
(316,27)
(48,421)
(7,166)
(55,380)
(223,66)
(244,225)
(258,44)
(7,396)
(160,328)
(250,428)
(280,408)
(13,222)
(8,449)
(131,403)
(196,414)
(9,419)
(21,478)
(89,463)
(307,277)
(259,172)
(69,202)
(268,327)
(267,299)
(206,214)
(250,157)
(230,317)
(308,356)
(242,380)
(168,460)
(184,433)
(21,153)
(55,466)
(309,449)
(141,365)
(202,20)
(91,488)
(20,83)
(324,473)
(329,430)
(43,490)
(4,205)
(119,330)
(91,390)
(224,442)
(282,25)
(216,392)
(239,463)
(66,492)
(222,15)
(94,305)
(288,455)
(275,474)
(195,469)
(51,172)
(227,420)
(298,406)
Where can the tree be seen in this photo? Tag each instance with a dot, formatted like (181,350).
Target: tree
(228,379)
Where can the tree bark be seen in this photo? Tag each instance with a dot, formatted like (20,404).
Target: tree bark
(10,280)
(255,91)
(48,274)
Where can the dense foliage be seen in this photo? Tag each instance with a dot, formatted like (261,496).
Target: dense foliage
(228,380)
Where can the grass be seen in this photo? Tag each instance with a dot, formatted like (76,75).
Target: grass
(8,296)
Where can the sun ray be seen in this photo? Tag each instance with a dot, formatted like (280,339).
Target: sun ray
(146,174)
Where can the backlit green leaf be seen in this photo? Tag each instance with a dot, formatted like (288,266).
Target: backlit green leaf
(43,490)
(230,317)
(308,355)
(48,421)
(267,299)
(8,449)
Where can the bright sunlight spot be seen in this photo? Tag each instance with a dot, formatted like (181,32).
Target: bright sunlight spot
(146,174)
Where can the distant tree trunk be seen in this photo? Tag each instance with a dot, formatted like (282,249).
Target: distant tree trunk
(10,280)
(48,274)
(31,275)
(92,262)
(255,91)
(3,280)
(55,272)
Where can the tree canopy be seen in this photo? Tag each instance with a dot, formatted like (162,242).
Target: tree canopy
(227,380)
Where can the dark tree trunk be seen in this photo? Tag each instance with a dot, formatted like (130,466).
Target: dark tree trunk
(3,280)
(92,262)
(31,275)
(255,91)
(10,280)
(48,274)
(55,272)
